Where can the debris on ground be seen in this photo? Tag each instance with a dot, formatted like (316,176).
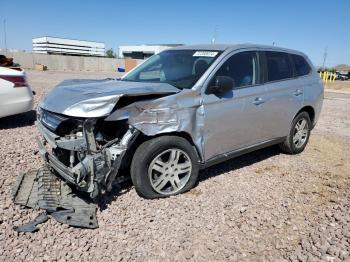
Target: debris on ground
(40,189)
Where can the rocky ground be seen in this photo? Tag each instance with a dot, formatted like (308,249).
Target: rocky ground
(261,206)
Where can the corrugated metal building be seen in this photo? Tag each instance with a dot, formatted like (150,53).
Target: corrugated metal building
(64,46)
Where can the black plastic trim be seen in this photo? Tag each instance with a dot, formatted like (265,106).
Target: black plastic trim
(221,158)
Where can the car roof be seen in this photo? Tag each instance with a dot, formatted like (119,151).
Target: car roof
(232,47)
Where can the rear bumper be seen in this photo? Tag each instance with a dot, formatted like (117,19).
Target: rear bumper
(17,107)
(15,101)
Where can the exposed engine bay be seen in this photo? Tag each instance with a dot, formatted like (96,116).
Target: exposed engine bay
(86,153)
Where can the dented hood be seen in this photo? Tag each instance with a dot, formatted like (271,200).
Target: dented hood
(97,98)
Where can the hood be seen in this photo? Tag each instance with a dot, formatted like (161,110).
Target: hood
(97,98)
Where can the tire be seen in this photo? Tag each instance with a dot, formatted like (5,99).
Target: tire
(155,160)
(290,147)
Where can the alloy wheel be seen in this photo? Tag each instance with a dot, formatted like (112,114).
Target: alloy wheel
(170,171)
(301,131)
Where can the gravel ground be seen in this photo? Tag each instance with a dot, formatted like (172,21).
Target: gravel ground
(261,206)
(342,86)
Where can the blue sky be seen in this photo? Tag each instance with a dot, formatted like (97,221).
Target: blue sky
(308,26)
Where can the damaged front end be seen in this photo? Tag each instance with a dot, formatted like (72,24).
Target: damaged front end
(86,153)
(88,132)
(82,158)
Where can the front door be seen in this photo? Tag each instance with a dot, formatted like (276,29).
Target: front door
(235,119)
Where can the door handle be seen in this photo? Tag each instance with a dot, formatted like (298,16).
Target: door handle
(298,92)
(258,101)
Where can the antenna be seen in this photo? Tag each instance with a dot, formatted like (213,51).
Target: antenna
(5,35)
(325,56)
(216,29)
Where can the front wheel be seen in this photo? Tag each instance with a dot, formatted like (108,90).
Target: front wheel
(164,166)
(299,134)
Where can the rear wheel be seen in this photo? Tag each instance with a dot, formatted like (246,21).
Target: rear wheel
(299,134)
(164,166)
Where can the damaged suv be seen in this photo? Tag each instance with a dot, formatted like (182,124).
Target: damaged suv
(181,110)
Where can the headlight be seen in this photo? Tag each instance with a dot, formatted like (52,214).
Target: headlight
(39,113)
(48,119)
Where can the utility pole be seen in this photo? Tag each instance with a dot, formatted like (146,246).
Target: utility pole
(324,57)
(5,35)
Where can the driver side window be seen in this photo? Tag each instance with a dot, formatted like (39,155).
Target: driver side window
(242,68)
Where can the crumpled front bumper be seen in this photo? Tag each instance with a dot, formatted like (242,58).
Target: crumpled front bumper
(96,172)
(67,173)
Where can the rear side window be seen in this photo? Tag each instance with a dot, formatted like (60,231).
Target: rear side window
(242,68)
(278,66)
(301,66)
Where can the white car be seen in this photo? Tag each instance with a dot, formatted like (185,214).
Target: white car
(16,96)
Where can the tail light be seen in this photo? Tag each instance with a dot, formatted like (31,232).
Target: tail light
(18,81)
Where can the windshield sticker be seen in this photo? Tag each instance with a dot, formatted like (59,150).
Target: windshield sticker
(205,53)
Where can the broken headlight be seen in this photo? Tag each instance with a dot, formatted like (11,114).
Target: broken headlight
(48,119)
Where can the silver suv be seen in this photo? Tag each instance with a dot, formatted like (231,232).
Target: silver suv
(181,110)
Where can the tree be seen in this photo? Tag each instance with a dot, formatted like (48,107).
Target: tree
(110,53)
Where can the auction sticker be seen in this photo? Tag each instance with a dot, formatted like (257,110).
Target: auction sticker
(205,53)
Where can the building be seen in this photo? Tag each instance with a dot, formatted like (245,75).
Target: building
(142,51)
(64,46)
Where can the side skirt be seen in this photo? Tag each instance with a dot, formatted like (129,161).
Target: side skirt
(235,153)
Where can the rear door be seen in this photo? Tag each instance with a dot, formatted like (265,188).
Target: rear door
(284,92)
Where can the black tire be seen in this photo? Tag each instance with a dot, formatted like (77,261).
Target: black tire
(288,146)
(148,151)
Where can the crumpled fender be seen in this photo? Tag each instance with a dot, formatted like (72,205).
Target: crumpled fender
(182,112)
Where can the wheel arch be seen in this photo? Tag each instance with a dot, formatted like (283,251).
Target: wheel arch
(310,110)
(143,137)
(188,137)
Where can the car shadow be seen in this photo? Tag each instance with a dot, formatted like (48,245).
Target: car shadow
(239,162)
(117,190)
(213,171)
(20,120)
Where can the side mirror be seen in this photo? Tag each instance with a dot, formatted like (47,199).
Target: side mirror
(221,85)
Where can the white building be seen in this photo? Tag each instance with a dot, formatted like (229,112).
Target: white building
(64,46)
(142,51)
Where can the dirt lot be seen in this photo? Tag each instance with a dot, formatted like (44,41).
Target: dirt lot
(261,206)
(341,86)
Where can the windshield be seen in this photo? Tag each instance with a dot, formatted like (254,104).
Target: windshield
(180,68)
